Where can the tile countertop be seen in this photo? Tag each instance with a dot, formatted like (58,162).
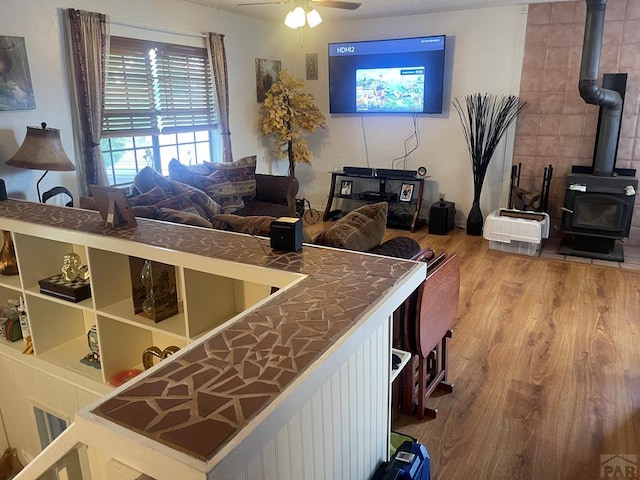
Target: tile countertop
(217,386)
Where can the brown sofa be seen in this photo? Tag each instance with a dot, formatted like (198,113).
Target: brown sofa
(195,194)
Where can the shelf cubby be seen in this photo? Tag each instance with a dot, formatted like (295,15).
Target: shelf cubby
(11,282)
(59,333)
(213,299)
(127,343)
(40,258)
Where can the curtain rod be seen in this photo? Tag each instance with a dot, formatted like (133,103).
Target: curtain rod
(154,28)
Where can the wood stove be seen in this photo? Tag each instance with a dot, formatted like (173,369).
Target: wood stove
(597,212)
(598,204)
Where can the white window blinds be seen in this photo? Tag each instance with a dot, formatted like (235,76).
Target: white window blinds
(156,88)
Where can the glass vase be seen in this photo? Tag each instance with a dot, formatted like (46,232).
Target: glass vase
(8,262)
(475,220)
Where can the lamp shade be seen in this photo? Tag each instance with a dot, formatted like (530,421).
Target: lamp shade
(42,150)
(313,18)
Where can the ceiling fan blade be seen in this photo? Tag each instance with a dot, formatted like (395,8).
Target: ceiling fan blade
(261,3)
(337,4)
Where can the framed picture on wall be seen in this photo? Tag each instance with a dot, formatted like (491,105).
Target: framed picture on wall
(267,72)
(16,91)
(406,192)
(345,188)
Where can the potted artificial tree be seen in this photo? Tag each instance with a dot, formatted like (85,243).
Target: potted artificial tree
(287,115)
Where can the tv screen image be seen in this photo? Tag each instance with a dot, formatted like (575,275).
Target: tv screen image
(397,89)
(387,76)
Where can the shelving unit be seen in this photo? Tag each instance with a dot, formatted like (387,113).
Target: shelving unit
(59,327)
(380,188)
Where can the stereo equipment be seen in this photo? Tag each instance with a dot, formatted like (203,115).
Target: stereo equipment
(379,196)
(392,172)
(286,234)
(359,171)
(441,217)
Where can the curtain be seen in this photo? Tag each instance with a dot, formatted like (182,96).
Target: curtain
(221,84)
(88,44)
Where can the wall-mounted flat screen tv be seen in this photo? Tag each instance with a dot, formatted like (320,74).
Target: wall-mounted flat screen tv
(403,75)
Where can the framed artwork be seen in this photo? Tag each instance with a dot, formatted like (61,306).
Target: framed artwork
(406,192)
(311,66)
(16,91)
(345,188)
(267,72)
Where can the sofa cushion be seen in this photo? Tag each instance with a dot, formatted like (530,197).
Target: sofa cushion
(151,197)
(220,189)
(187,173)
(258,208)
(260,225)
(398,247)
(144,211)
(360,230)
(180,202)
(241,174)
(147,179)
(184,217)
(207,207)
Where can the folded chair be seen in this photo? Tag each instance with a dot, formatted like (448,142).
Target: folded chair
(426,326)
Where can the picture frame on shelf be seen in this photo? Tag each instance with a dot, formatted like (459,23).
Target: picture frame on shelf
(346,187)
(406,192)
(113,206)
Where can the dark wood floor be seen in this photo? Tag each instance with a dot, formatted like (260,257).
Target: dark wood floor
(545,359)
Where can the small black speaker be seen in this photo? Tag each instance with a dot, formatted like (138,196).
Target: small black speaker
(3,190)
(286,234)
(441,217)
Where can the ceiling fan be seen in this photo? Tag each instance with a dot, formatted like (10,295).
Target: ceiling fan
(302,11)
(320,3)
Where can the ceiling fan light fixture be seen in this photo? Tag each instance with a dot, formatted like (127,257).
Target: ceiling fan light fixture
(290,21)
(295,18)
(313,18)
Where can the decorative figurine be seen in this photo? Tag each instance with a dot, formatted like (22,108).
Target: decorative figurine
(72,269)
(93,357)
(154,289)
(149,353)
(72,284)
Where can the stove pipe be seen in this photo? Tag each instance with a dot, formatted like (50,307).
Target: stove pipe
(609,100)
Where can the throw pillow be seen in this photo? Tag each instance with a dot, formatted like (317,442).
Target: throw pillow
(151,197)
(205,203)
(183,217)
(187,173)
(145,211)
(359,230)
(220,189)
(253,225)
(147,179)
(180,202)
(241,174)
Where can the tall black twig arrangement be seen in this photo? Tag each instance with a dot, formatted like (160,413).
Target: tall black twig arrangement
(485,118)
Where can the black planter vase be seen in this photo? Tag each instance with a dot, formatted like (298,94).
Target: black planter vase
(475,220)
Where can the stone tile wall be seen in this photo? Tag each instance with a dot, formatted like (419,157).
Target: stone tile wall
(559,128)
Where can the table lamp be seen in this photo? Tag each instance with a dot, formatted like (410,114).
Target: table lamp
(42,150)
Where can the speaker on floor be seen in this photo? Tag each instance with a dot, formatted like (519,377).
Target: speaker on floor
(441,217)
(286,234)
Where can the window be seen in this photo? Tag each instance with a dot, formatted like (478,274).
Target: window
(159,105)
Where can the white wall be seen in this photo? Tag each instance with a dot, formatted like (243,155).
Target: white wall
(40,23)
(485,50)
(485,54)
